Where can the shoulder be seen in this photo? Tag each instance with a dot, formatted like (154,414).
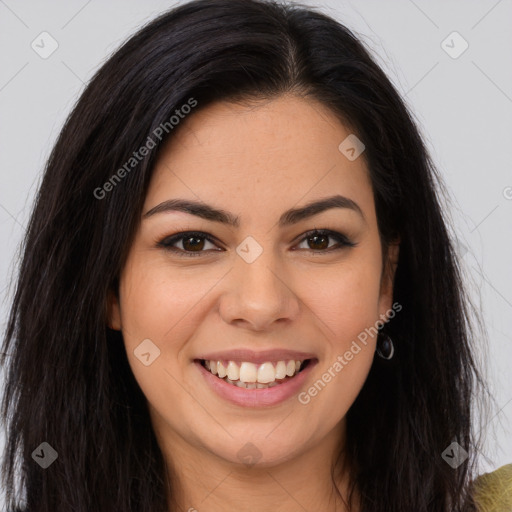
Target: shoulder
(493,491)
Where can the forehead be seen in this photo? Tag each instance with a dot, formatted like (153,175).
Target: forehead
(282,151)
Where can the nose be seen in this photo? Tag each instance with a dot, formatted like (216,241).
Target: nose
(258,295)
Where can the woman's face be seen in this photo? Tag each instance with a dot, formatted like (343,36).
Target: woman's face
(261,291)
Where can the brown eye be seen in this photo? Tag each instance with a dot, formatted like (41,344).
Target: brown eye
(318,241)
(193,243)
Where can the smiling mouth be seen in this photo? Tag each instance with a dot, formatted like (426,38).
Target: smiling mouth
(252,376)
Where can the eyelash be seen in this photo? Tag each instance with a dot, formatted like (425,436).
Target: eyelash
(168,242)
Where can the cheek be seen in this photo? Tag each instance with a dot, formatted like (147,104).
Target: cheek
(347,298)
(346,305)
(166,306)
(336,387)
(347,309)
(158,305)
(157,301)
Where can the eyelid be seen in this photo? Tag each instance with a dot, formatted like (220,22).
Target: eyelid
(168,241)
(342,239)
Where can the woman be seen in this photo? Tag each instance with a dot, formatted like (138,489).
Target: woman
(237,289)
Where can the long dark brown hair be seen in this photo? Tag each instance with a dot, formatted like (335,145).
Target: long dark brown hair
(69,383)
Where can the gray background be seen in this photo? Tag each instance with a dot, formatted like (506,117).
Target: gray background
(463,106)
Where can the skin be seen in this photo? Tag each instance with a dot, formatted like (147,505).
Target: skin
(255,162)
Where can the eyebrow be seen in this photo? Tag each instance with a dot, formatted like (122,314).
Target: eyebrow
(288,218)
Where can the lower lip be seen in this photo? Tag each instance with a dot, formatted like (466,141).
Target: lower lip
(256,397)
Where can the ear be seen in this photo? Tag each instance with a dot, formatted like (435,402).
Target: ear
(113,311)
(388,277)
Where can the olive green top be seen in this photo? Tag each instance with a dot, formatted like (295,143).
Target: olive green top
(493,491)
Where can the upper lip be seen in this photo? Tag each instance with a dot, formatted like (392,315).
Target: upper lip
(240,355)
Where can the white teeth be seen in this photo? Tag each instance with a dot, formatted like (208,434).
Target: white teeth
(266,373)
(221,371)
(290,368)
(251,385)
(233,371)
(246,374)
(281,370)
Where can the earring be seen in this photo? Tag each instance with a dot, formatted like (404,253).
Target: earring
(385,348)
